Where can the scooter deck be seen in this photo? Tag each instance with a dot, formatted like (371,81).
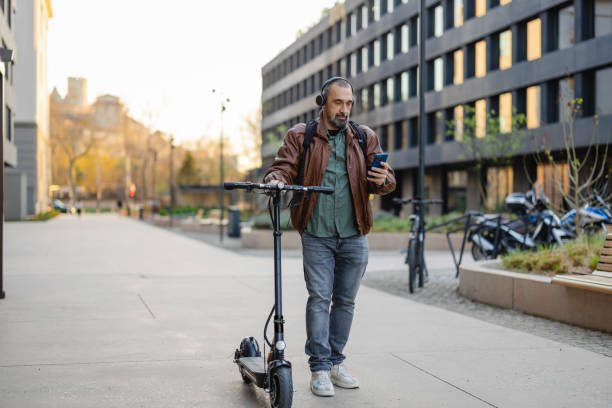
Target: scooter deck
(255,368)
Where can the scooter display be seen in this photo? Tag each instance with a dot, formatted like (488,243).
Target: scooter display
(271,372)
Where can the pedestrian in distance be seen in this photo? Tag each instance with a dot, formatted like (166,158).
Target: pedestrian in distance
(332,152)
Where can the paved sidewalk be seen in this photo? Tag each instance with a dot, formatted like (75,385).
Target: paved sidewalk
(109,312)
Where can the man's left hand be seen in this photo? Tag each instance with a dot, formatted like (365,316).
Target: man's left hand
(378,175)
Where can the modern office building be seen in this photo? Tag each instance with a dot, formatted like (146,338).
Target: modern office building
(32,96)
(489,57)
(15,182)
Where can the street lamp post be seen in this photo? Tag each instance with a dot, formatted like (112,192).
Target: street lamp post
(171,180)
(422,134)
(6,55)
(221,178)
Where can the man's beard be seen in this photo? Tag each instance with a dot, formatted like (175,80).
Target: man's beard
(338,121)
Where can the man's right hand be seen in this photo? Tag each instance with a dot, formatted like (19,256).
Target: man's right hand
(274,182)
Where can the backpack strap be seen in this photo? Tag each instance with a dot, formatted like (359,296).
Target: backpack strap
(311,128)
(363,143)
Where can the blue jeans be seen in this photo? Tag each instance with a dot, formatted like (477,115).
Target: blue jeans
(333,268)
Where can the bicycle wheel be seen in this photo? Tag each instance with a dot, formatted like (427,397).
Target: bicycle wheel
(281,388)
(412,266)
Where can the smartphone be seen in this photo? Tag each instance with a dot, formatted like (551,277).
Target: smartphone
(378,158)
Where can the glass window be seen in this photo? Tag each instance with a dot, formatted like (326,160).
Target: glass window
(603,17)
(376,95)
(505,112)
(458,7)
(458,67)
(404,86)
(505,50)
(405,38)
(566,95)
(480,117)
(438,74)
(603,99)
(481,59)
(364,59)
(481,8)
(377,10)
(534,39)
(500,183)
(390,45)
(502,2)
(390,5)
(533,107)
(398,136)
(440,127)
(565,27)
(390,90)
(365,100)
(353,64)
(376,53)
(364,16)
(457,190)
(458,117)
(353,22)
(438,21)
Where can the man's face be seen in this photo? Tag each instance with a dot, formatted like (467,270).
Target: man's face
(338,106)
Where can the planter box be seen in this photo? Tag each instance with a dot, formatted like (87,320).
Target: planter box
(536,295)
(262,239)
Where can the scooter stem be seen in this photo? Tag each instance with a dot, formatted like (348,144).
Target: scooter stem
(278,300)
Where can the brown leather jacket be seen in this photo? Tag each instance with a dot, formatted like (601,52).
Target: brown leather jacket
(286,165)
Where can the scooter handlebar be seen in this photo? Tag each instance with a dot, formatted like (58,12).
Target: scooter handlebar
(279,187)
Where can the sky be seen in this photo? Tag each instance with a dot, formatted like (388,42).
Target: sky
(163,58)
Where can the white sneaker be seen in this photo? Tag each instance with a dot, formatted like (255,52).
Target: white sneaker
(321,385)
(341,378)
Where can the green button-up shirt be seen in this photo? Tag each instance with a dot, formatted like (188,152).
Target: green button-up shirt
(334,214)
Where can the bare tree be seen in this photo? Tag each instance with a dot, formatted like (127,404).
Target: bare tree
(488,139)
(586,168)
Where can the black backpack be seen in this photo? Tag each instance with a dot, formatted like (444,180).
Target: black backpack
(311,128)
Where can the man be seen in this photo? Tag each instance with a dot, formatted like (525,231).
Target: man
(333,227)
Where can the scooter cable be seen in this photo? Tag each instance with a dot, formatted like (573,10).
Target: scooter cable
(266,327)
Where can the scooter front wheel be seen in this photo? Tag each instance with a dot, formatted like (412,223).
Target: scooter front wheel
(281,388)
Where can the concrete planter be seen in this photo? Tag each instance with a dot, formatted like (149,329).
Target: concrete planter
(536,295)
(261,239)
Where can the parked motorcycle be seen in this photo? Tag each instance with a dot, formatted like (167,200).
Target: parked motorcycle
(593,218)
(535,225)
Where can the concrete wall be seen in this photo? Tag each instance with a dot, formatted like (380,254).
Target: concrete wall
(15,194)
(32,116)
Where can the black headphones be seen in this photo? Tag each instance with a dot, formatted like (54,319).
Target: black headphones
(322,98)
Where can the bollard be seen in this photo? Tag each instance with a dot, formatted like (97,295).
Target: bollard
(141,213)
(234,222)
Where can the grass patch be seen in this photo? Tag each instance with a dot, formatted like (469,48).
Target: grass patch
(389,223)
(45,216)
(94,211)
(575,256)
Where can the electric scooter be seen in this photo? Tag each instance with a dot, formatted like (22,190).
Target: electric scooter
(271,372)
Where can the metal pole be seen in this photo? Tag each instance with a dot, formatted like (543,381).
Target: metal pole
(2,294)
(422,132)
(221,174)
(171,180)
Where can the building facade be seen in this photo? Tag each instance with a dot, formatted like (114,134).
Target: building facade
(32,115)
(491,57)
(15,182)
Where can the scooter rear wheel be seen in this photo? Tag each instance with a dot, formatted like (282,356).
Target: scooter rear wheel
(281,388)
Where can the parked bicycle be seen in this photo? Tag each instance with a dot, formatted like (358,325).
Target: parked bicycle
(414,254)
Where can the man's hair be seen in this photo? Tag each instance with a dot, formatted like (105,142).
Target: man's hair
(340,82)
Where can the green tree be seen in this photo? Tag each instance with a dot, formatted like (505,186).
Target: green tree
(488,140)
(189,172)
